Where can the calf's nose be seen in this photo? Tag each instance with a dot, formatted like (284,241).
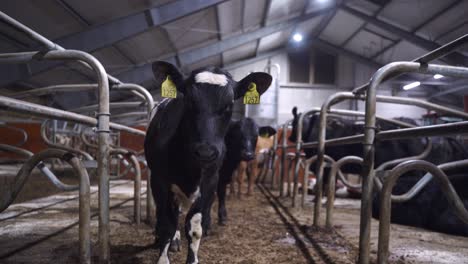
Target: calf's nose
(248,155)
(206,152)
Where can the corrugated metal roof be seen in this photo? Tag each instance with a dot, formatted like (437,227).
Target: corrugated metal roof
(242,52)
(410,14)
(101,11)
(147,46)
(45,16)
(341,27)
(193,29)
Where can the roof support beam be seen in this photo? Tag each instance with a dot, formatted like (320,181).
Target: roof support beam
(139,74)
(114,31)
(454,58)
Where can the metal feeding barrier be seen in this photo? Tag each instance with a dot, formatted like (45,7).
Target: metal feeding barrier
(367,93)
(105,82)
(11,188)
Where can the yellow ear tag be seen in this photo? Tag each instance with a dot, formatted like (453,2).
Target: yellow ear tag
(252,96)
(265,135)
(168,88)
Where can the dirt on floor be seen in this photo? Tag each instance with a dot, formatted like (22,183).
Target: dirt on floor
(261,229)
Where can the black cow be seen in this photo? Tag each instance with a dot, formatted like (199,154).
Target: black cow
(184,146)
(241,142)
(341,127)
(429,209)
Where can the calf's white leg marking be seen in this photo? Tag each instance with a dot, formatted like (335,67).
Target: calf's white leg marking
(195,233)
(184,201)
(163,258)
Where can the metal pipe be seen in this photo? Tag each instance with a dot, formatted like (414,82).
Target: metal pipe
(11,189)
(369,136)
(102,123)
(331,185)
(48,112)
(299,142)
(283,155)
(42,167)
(150,206)
(20,130)
(118,105)
(129,114)
(137,182)
(454,200)
(49,143)
(426,58)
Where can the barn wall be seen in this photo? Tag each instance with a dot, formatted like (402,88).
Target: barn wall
(349,75)
(304,98)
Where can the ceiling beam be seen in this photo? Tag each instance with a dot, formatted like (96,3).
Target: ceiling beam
(192,56)
(453,58)
(264,20)
(140,73)
(107,34)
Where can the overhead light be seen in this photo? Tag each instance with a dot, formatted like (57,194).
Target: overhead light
(411,85)
(438,76)
(297,37)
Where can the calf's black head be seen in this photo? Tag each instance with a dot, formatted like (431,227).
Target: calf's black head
(208,95)
(242,137)
(308,126)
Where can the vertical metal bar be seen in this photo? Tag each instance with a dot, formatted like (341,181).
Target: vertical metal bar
(283,167)
(136,190)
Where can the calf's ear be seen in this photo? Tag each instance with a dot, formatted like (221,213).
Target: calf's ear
(261,80)
(167,76)
(294,111)
(266,131)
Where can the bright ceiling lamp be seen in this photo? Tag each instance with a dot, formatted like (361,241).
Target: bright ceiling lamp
(411,85)
(438,76)
(297,37)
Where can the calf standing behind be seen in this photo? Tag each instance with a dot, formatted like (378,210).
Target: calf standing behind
(184,146)
(241,145)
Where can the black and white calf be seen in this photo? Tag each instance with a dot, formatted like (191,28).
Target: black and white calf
(184,147)
(241,143)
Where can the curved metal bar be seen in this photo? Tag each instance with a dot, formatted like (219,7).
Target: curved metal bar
(422,155)
(370,134)
(331,186)
(308,163)
(128,166)
(137,182)
(20,130)
(42,167)
(118,105)
(49,143)
(454,200)
(11,190)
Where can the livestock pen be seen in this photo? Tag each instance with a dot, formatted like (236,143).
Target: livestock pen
(74,175)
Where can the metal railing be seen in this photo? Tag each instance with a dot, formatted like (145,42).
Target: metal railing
(103,126)
(370,136)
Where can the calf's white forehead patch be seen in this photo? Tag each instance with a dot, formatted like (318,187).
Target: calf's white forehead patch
(211,78)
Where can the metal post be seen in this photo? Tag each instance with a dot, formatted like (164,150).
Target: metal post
(283,156)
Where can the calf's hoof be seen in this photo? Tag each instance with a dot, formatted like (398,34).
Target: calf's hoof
(175,245)
(222,222)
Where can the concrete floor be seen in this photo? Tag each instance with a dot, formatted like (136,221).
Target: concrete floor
(45,230)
